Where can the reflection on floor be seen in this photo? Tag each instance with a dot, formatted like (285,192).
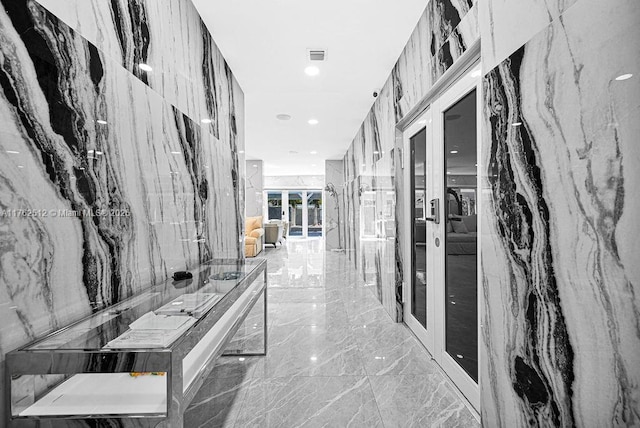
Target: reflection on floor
(335,358)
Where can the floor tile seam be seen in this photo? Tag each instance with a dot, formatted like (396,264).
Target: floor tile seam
(245,389)
(375,399)
(322,376)
(362,354)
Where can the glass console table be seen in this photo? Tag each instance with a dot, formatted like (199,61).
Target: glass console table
(140,362)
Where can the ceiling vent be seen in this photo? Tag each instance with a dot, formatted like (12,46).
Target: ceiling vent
(317,54)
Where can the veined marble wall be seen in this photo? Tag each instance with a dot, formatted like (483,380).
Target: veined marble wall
(561,197)
(333,200)
(373,177)
(255,188)
(110,177)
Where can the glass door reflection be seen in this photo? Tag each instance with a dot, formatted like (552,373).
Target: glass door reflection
(461,265)
(296,211)
(314,213)
(417,146)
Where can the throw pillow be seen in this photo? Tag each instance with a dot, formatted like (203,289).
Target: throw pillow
(459,226)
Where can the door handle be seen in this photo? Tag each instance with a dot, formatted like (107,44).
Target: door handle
(435,211)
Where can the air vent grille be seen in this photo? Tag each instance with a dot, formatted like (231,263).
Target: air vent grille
(317,54)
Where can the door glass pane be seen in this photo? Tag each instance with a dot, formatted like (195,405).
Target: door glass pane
(295,213)
(274,201)
(418,147)
(460,138)
(314,207)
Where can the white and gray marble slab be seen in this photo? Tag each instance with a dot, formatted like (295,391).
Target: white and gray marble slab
(561,336)
(254,184)
(133,185)
(507,25)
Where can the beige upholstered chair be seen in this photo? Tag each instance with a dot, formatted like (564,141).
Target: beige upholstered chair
(273,233)
(254,236)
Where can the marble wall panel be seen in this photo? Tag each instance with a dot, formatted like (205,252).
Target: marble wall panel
(106,186)
(443,33)
(507,25)
(457,43)
(255,188)
(411,76)
(333,204)
(168,35)
(561,336)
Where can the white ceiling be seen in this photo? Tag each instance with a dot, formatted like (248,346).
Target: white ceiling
(265,43)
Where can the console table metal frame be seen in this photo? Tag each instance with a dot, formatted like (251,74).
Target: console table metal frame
(169,360)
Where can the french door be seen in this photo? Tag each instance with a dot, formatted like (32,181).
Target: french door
(302,209)
(441,290)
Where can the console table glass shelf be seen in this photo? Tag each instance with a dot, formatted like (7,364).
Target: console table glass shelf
(139,362)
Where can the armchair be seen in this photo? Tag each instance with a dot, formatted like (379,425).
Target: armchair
(273,233)
(254,236)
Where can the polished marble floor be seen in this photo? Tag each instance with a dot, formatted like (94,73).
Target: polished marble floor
(335,358)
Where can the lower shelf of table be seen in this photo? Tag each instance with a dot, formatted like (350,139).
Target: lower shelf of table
(104,394)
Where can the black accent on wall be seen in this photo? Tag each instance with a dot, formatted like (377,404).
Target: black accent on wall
(541,372)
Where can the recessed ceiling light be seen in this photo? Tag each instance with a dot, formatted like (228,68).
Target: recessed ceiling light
(453,152)
(145,67)
(283,117)
(313,121)
(101,122)
(255,165)
(13,152)
(516,124)
(175,153)
(313,152)
(98,152)
(206,120)
(20,166)
(312,70)
(240,151)
(375,152)
(624,76)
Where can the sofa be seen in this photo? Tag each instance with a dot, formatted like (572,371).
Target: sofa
(253,236)
(462,234)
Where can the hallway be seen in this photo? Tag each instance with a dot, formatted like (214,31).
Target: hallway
(335,358)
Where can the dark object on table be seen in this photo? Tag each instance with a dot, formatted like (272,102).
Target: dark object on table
(180,275)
